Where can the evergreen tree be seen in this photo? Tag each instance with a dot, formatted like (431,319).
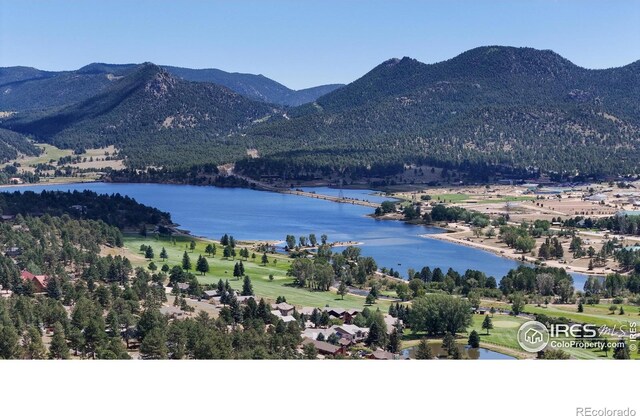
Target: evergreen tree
(202,265)
(394,341)
(449,343)
(474,339)
(247,288)
(487,324)
(163,254)
(148,253)
(58,350)
(621,351)
(309,351)
(186,261)
(423,351)
(265,259)
(154,345)
(32,345)
(9,347)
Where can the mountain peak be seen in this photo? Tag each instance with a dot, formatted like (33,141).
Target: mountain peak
(512,60)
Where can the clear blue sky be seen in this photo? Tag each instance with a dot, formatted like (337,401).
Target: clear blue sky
(305,43)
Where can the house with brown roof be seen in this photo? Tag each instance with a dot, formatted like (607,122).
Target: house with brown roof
(325,348)
(284,308)
(381,355)
(39,281)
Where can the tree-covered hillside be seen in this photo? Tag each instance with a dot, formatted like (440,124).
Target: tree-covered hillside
(492,106)
(154,118)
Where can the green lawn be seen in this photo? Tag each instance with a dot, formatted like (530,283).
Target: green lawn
(50,152)
(221,268)
(596,314)
(504,332)
(451,198)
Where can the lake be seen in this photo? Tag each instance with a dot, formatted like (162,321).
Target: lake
(256,215)
(470,353)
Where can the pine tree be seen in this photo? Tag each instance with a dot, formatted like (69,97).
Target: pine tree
(148,253)
(186,261)
(163,254)
(449,343)
(247,288)
(58,350)
(487,324)
(621,351)
(374,336)
(474,339)
(192,245)
(32,344)
(394,341)
(265,259)
(580,307)
(423,351)
(202,265)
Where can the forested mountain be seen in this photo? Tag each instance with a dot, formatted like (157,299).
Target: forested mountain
(30,89)
(12,143)
(154,118)
(514,110)
(256,87)
(488,107)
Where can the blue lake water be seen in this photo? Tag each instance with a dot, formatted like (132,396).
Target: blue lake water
(361,194)
(248,214)
(471,353)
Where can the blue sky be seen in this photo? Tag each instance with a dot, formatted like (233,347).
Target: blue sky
(306,43)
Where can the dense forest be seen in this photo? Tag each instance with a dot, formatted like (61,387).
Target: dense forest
(115,210)
(12,144)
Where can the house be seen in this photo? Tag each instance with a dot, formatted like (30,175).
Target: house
(313,333)
(391,322)
(307,311)
(349,314)
(209,294)
(381,355)
(284,308)
(244,299)
(353,333)
(182,286)
(39,281)
(325,348)
(285,318)
(172,312)
(335,312)
(5,293)
(13,252)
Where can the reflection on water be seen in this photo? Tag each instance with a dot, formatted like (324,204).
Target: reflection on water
(466,352)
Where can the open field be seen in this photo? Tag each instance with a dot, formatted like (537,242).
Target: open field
(221,268)
(52,154)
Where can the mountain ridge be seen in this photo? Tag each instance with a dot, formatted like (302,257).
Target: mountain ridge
(31,89)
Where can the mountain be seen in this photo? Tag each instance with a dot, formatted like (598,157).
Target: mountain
(30,89)
(12,144)
(257,87)
(490,108)
(155,118)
